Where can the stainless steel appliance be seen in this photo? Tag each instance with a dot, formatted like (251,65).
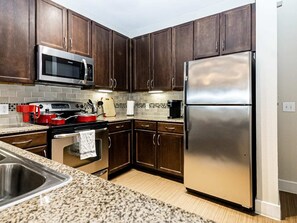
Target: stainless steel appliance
(219,123)
(62,143)
(58,66)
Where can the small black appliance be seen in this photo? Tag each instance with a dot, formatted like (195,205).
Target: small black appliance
(174,108)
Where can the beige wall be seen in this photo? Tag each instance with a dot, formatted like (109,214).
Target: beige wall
(287,91)
(267,199)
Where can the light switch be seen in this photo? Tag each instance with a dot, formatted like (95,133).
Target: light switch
(3,109)
(289,106)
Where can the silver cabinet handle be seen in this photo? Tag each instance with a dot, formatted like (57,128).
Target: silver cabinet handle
(223,45)
(119,126)
(64,42)
(22,142)
(170,128)
(109,142)
(152,83)
(111,83)
(217,46)
(115,83)
(172,82)
(86,70)
(158,140)
(44,152)
(154,136)
(70,39)
(148,84)
(145,126)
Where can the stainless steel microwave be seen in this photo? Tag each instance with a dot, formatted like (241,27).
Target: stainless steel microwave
(58,66)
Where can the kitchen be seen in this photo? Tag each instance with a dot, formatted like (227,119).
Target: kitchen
(12,93)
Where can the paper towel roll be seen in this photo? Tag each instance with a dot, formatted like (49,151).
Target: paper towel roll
(130,107)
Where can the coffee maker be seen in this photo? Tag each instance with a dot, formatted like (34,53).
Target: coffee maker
(174,108)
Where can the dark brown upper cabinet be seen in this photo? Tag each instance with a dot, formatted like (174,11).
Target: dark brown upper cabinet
(228,32)
(236,30)
(79,34)
(120,62)
(161,60)
(207,36)
(101,50)
(141,63)
(182,51)
(17,40)
(51,25)
(63,29)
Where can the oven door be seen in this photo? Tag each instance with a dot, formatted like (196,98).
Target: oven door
(63,146)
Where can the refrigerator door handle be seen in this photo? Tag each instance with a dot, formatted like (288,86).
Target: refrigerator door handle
(186,119)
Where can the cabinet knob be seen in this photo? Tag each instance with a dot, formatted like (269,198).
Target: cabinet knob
(223,45)
(172,82)
(64,42)
(158,140)
(152,83)
(111,83)
(70,39)
(154,136)
(217,46)
(148,84)
(109,142)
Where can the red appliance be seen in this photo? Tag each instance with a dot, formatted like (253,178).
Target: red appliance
(27,110)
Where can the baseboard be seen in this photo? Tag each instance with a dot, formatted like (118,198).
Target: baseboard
(268,209)
(287,186)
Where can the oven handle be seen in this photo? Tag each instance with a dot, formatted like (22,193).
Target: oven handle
(62,136)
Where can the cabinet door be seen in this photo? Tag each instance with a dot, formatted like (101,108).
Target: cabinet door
(79,33)
(161,43)
(145,151)
(170,153)
(141,63)
(39,150)
(51,25)
(17,40)
(119,151)
(182,51)
(207,36)
(101,50)
(120,62)
(236,31)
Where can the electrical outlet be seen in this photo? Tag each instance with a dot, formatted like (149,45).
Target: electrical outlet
(147,106)
(3,109)
(289,106)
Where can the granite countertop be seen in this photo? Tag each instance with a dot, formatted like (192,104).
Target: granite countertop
(20,128)
(88,198)
(138,117)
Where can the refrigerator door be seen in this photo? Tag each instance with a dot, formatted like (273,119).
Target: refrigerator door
(218,152)
(219,80)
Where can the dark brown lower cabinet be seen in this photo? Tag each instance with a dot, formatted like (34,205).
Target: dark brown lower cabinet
(119,146)
(160,148)
(35,142)
(145,150)
(170,153)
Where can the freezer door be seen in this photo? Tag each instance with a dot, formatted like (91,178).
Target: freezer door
(219,80)
(218,155)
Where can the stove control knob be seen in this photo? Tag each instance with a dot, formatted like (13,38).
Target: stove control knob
(81,106)
(41,106)
(77,105)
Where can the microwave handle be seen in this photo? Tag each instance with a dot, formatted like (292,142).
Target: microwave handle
(86,70)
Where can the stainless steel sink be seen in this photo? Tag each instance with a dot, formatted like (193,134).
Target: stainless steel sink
(22,179)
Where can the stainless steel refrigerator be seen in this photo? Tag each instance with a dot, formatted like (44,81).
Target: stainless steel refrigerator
(218,114)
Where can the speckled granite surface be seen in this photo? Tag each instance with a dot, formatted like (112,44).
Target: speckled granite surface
(4,129)
(138,117)
(88,198)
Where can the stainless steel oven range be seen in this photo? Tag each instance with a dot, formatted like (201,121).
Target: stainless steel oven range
(62,139)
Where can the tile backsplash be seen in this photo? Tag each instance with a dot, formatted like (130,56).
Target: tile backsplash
(19,94)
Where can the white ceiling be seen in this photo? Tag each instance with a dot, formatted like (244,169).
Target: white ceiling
(136,17)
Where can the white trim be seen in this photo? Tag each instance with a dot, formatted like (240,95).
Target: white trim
(267,209)
(287,186)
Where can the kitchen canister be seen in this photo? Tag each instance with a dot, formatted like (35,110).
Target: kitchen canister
(130,107)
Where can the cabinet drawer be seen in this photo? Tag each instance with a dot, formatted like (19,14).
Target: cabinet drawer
(119,126)
(39,150)
(145,125)
(26,140)
(170,127)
